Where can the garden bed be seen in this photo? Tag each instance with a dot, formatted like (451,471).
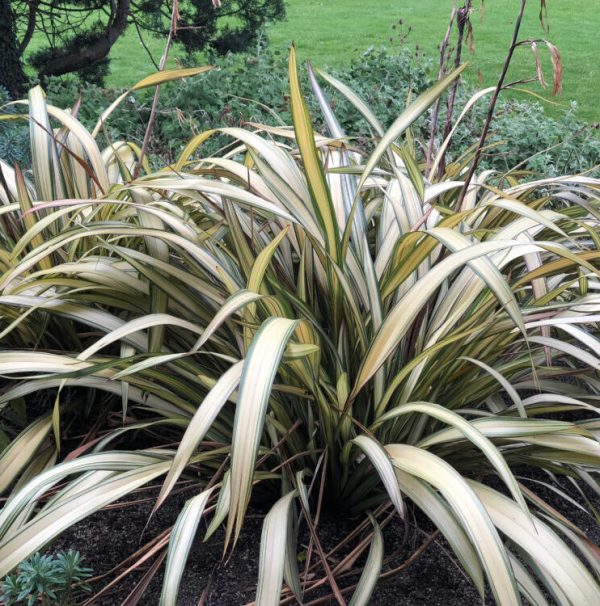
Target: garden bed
(430,573)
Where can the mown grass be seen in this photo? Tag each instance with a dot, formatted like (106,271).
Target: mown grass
(331,32)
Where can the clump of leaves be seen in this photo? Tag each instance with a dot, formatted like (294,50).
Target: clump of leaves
(338,327)
(50,580)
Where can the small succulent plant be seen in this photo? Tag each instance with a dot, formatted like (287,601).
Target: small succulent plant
(46,579)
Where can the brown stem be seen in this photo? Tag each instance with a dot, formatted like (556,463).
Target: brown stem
(147,552)
(66,62)
(163,63)
(390,573)
(321,462)
(136,594)
(461,22)
(314,540)
(312,584)
(492,107)
(31,20)
(143,43)
(441,73)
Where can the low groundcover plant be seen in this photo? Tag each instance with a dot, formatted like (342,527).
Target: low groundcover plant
(345,331)
(45,579)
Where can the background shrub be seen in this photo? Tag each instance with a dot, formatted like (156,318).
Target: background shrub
(14,137)
(254,88)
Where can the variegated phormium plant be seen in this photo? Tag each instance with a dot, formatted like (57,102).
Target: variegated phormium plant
(332,325)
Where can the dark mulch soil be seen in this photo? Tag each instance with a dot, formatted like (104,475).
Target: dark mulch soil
(109,536)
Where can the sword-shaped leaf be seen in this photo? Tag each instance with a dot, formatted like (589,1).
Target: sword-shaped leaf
(260,367)
(470,512)
(382,464)
(552,556)
(17,454)
(406,118)
(315,175)
(180,543)
(276,533)
(372,569)
(201,422)
(49,524)
(472,434)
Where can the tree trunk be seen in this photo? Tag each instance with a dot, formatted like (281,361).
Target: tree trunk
(67,62)
(12,76)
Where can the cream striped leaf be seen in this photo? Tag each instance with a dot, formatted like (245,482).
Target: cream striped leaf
(180,543)
(207,412)
(372,569)
(45,526)
(315,174)
(449,417)
(17,454)
(382,464)
(273,547)
(416,108)
(553,557)
(260,367)
(469,511)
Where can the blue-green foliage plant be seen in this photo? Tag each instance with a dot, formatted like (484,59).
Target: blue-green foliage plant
(14,138)
(47,580)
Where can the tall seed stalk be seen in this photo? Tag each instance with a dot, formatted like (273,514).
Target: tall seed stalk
(492,105)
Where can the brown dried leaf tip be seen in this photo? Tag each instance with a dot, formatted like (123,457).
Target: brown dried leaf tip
(557,68)
(538,65)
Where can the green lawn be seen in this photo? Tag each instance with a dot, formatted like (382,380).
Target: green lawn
(332,31)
